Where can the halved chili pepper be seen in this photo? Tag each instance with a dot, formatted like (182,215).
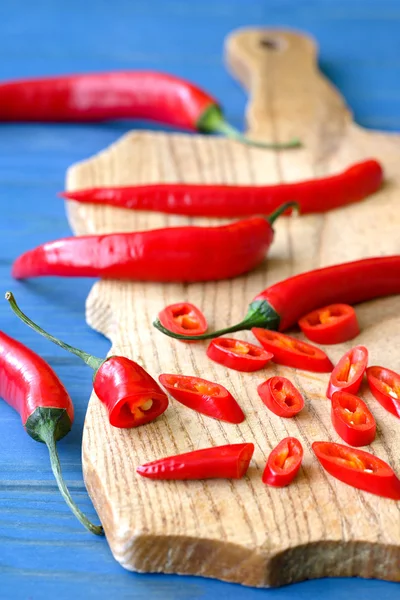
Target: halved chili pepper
(358,468)
(238,355)
(30,386)
(385,387)
(230,462)
(181,254)
(348,373)
(283,463)
(183,317)
(292,352)
(202,200)
(352,419)
(118,95)
(206,397)
(281,396)
(130,394)
(332,324)
(281,305)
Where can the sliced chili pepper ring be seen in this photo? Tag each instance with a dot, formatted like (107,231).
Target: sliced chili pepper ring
(348,373)
(332,324)
(283,463)
(281,396)
(237,354)
(352,419)
(385,387)
(183,318)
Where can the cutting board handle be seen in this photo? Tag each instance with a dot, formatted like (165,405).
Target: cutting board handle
(289,97)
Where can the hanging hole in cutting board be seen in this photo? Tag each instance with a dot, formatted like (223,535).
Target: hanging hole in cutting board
(272,44)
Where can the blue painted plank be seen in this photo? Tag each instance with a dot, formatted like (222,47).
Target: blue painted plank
(43,550)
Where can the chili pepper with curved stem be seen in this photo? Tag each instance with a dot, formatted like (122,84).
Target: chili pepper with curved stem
(93,97)
(30,386)
(283,463)
(208,398)
(280,306)
(352,419)
(281,397)
(385,387)
(228,462)
(130,394)
(180,254)
(358,468)
(332,324)
(205,200)
(238,355)
(183,317)
(348,373)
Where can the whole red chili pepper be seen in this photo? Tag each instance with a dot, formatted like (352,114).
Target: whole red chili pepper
(283,463)
(238,355)
(130,394)
(183,317)
(171,254)
(358,468)
(348,373)
(230,462)
(206,397)
(118,95)
(332,324)
(352,419)
(281,305)
(205,200)
(30,386)
(385,387)
(281,396)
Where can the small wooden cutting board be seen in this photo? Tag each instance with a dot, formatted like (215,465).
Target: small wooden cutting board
(243,531)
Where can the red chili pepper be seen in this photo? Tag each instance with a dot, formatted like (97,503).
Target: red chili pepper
(183,317)
(130,394)
(283,463)
(292,352)
(348,373)
(352,419)
(358,468)
(281,396)
(228,462)
(204,200)
(118,95)
(30,386)
(385,387)
(171,254)
(238,355)
(332,324)
(281,305)
(206,397)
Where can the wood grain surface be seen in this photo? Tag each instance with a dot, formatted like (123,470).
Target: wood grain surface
(243,531)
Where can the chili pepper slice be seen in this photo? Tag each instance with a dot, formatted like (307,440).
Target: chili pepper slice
(281,396)
(130,394)
(352,419)
(283,463)
(292,352)
(332,324)
(385,387)
(281,305)
(183,317)
(348,373)
(179,254)
(238,355)
(228,462)
(206,397)
(358,468)
(30,386)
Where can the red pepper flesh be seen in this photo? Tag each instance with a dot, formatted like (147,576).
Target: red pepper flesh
(238,355)
(283,463)
(352,419)
(332,324)
(292,352)
(358,468)
(203,396)
(228,462)
(348,373)
(183,317)
(281,397)
(385,387)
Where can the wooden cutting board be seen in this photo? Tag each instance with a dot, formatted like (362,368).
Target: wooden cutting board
(243,531)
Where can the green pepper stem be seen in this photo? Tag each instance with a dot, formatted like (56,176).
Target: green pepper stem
(280,210)
(89,359)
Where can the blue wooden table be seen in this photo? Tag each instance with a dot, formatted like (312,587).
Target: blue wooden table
(43,549)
